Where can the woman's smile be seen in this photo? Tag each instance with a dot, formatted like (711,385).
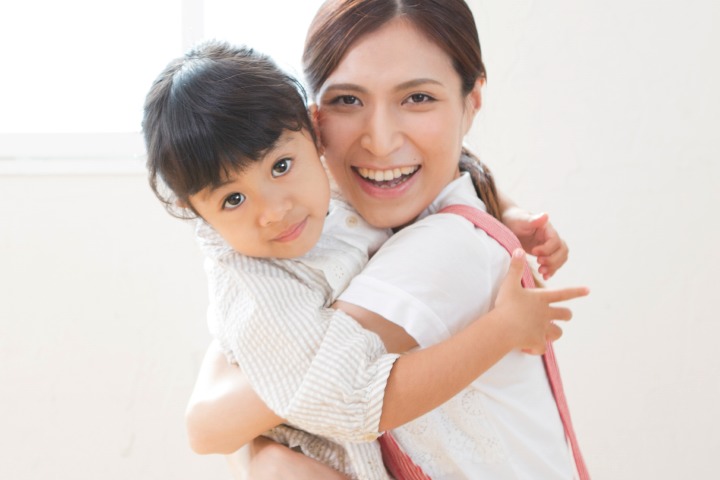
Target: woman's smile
(392,123)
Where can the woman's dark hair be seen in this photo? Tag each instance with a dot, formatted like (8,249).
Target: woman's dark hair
(450,24)
(213,111)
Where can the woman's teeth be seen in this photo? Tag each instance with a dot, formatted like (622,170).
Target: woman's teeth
(386,175)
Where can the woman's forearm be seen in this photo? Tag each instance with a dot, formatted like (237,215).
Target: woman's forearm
(504,202)
(271,461)
(224,412)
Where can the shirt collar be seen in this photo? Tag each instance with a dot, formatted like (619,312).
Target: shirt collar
(459,191)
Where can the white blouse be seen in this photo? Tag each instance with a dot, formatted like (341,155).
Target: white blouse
(433,278)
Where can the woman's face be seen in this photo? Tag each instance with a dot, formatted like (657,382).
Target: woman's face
(391,119)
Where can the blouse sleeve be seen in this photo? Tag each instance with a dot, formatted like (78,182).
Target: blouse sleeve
(432,278)
(313,366)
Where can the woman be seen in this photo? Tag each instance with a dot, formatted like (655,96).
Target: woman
(392,128)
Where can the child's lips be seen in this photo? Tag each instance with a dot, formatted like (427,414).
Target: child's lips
(291,233)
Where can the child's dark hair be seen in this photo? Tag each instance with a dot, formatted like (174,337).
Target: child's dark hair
(213,111)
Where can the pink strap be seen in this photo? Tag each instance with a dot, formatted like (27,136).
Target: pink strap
(396,460)
(398,463)
(509,241)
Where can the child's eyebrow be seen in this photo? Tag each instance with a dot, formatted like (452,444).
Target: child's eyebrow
(214,188)
(210,190)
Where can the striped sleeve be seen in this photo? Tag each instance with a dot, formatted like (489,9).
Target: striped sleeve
(355,460)
(313,366)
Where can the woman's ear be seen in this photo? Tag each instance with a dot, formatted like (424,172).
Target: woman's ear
(313,109)
(473,102)
(314,117)
(474,98)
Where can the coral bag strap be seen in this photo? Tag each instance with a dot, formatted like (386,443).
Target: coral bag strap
(509,241)
(396,460)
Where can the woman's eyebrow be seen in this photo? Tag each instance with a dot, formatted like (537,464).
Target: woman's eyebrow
(352,87)
(416,82)
(345,87)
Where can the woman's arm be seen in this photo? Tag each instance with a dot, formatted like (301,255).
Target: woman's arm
(224,412)
(536,234)
(271,461)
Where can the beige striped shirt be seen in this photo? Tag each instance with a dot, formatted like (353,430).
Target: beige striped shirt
(312,365)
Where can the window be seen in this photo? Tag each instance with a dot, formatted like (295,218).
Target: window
(79,69)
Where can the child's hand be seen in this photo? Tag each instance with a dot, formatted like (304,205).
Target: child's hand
(530,310)
(538,238)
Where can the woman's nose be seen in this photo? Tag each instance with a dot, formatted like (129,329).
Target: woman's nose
(382,135)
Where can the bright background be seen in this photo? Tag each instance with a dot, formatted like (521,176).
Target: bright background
(606,114)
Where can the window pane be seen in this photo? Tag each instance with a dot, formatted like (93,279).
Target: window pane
(274,27)
(82,65)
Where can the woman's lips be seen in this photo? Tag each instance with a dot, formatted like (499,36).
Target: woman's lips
(394,181)
(292,233)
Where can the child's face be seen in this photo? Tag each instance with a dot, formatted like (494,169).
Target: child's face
(275,207)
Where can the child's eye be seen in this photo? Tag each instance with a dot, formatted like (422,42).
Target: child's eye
(420,98)
(233,200)
(281,167)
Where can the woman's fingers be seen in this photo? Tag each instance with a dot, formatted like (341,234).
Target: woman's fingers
(550,263)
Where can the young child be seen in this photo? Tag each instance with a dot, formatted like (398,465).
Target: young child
(229,141)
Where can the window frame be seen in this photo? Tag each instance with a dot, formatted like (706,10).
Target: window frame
(91,152)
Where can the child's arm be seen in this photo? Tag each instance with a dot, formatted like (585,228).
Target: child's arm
(420,380)
(432,375)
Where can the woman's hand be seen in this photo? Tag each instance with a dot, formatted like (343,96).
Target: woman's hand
(271,461)
(530,310)
(538,237)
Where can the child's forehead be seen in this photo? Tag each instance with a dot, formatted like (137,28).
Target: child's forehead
(234,166)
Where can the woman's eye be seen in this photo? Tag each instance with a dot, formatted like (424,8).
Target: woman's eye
(420,98)
(233,200)
(346,100)
(281,167)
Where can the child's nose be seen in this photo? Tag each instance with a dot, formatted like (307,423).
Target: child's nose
(274,210)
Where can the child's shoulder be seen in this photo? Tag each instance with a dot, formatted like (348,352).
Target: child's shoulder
(211,244)
(344,225)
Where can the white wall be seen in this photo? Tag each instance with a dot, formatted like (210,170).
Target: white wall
(102,300)
(604,113)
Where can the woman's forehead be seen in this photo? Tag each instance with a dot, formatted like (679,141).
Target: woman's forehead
(395,53)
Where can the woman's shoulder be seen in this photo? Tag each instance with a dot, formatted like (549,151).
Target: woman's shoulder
(443,231)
